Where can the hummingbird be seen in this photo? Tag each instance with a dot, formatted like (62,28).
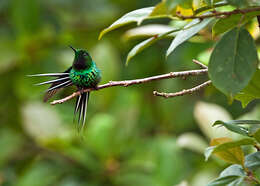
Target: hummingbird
(83,74)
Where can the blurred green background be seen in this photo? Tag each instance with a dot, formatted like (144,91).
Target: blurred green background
(131,137)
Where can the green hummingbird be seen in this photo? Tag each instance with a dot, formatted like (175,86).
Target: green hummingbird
(83,74)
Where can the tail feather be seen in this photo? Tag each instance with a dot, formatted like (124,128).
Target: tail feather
(62,78)
(49,74)
(54,81)
(81,109)
(60,85)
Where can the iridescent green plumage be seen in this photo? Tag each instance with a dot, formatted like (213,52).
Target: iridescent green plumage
(83,74)
(85,78)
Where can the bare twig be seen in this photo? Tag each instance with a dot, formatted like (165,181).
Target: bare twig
(200,64)
(135,81)
(183,92)
(216,14)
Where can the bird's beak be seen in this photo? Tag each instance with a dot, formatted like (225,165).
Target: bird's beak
(72,48)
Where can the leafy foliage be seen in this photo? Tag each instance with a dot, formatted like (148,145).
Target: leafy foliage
(232,67)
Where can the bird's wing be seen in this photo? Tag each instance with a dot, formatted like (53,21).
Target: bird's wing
(81,108)
(57,84)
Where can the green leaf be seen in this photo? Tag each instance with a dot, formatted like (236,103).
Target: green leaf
(228,150)
(209,2)
(238,3)
(252,161)
(160,10)
(233,61)
(243,122)
(232,175)
(191,29)
(134,16)
(225,180)
(146,43)
(146,31)
(171,4)
(225,24)
(233,170)
(233,127)
(140,47)
(256,135)
(251,91)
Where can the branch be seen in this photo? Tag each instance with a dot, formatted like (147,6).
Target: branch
(133,82)
(200,64)
(183,92)
(216,14)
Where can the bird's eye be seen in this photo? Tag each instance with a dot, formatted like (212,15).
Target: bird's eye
(85,54)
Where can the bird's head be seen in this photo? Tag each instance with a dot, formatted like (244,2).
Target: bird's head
(82,59)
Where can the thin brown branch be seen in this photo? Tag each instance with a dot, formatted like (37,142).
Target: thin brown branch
(200,64)
(135,81)
(217,14)
(183,92)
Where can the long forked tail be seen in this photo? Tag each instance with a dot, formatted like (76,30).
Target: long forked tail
(81,109)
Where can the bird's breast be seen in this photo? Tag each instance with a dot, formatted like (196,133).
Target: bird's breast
(85,78)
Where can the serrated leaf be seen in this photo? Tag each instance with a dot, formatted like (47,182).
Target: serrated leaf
(225,24)
(228,150)
(233,127)
(251,91)
(252,161)
(233,61)
(193,28)
(135,16)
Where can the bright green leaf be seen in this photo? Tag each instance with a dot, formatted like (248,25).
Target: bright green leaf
(251,91)
(134,16)
(225,24)
(191,29)
(233,61)
(252,161)
(233,127)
